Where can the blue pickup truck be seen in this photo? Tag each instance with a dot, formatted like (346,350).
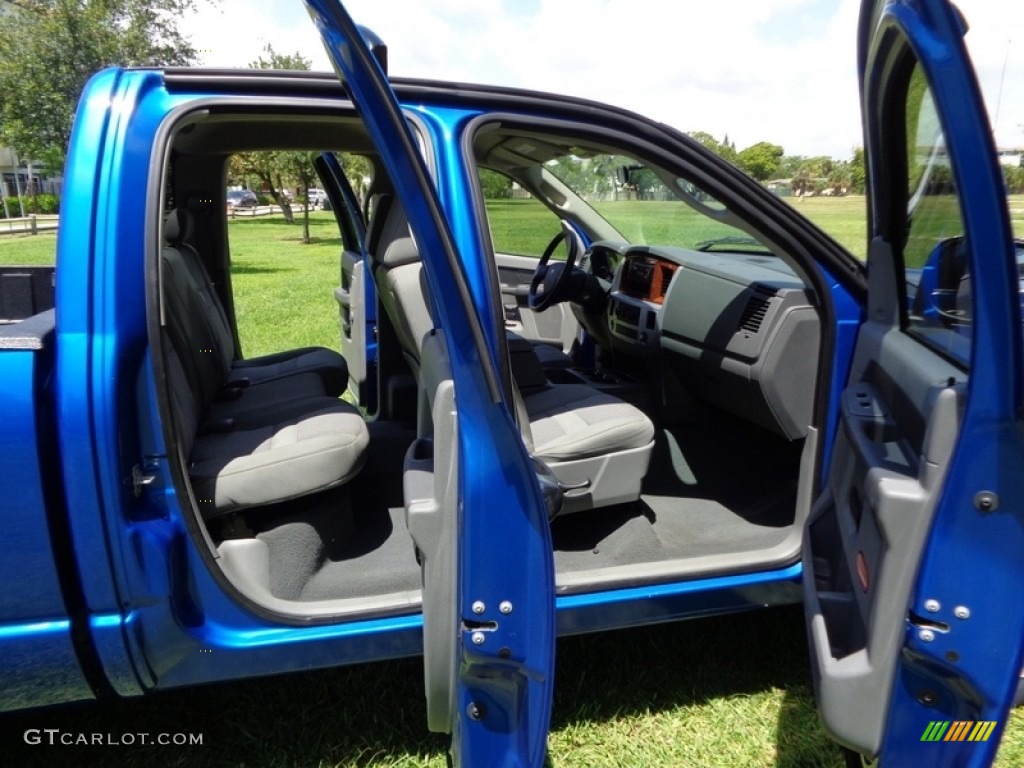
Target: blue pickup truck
(689,401)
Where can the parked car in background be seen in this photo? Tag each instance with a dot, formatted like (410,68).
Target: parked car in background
(242,198)
(638,409)
(317,197)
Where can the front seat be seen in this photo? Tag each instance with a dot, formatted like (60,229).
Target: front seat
(597,446)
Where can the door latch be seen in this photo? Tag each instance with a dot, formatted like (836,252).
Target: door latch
(140,480)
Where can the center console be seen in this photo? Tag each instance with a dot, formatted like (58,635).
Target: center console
(634,308)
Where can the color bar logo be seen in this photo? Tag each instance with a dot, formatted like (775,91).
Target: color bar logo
(958,730)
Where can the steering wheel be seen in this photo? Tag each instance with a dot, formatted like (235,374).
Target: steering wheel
(550,280)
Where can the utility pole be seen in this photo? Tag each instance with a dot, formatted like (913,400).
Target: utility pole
(17,185)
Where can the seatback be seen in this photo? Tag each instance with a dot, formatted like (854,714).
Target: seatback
(211,320)
(400,278)
(193,339)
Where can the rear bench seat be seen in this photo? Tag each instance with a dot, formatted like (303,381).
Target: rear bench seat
(251,441)
(325,363)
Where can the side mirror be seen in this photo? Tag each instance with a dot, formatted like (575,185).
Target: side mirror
(943,295)
(376,46)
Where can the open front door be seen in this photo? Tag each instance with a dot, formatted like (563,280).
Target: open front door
(913,555)
(473,503)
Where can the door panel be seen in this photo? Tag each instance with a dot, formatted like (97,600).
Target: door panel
(556,326)
(911,551)
(355,292)
(898,424)
(431,498)
(357,345)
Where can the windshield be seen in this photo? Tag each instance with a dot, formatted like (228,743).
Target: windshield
(648,206)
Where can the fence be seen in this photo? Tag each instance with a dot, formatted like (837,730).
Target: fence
(28,225)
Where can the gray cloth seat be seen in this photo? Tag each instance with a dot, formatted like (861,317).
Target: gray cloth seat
(271,441)
(551,357)
(280,453)
(547,355)
(284,456)
(574,421)
(325,363)
(595,442)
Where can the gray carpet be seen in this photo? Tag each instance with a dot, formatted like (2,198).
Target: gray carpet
(350,542)
(716,485)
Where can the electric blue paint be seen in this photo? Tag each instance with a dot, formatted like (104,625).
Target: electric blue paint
(503,520)
(634,606)
(160,618)
(972,560)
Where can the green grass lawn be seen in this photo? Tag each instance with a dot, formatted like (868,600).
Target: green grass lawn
(523,226)
(716,692)
(28,249)
(284,289)
(844,218)
(725,691)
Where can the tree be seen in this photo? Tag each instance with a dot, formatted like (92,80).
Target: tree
(270,169)
(840,180)
(50,48)
(858,171)
(1014,176)
(495,185)
(760,160)
(273,169)
(789,165)
(723,148)
(275,60)
(300,164)
(358,170)
(803,181)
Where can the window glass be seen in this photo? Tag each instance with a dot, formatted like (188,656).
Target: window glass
(935,253)
(519,223)
(615,196)
(281,258)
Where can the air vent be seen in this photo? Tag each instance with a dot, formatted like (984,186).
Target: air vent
(754,312)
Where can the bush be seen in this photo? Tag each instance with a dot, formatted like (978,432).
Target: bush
(46,204)
(39,204)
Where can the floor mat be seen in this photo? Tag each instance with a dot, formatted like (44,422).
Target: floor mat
(350,542)
(716,485)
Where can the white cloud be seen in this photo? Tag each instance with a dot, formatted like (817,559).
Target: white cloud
(782,71)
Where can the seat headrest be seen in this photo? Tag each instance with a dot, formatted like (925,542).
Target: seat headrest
(378,208)
(395,246)
(178,226)
(400,252)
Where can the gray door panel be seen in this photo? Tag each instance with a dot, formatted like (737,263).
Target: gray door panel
(351,298)
(899,422)
(556,326)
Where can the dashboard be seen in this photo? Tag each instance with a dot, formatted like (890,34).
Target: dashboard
(739,330)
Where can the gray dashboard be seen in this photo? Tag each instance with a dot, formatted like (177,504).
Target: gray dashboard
(740,330)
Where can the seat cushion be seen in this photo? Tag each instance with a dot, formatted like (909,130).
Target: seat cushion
(300,448)
(251,404)
(552,357)
(325,363)
(574,421)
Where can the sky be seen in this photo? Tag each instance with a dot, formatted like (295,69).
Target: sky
(782,71)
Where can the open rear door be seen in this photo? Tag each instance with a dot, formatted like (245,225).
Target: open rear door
(914,555)
(473,503)
(355,292)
